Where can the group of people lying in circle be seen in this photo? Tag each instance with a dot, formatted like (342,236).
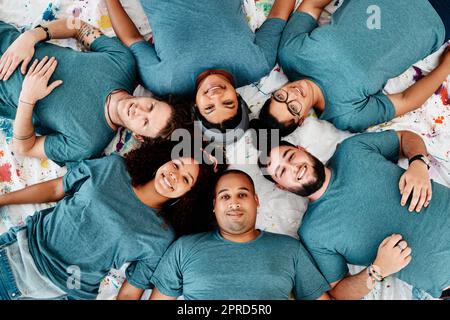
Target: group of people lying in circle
(186,226)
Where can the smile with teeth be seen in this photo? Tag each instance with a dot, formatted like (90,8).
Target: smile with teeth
(167,182)
(235,214)
(301,172)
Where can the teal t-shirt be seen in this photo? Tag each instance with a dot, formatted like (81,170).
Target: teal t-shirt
(100,224)
(361,207)
(191,37)
(208,267)
(351,63)
(72,116)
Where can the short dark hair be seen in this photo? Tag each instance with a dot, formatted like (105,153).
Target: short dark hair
(230,123)
(240,172)
(181,117)
(270,122)
(263,158)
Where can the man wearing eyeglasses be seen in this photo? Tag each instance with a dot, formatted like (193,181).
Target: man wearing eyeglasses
(340,69)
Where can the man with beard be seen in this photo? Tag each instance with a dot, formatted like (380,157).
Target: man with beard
(237,261)
(355,205)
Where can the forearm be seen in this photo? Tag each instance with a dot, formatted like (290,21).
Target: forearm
(411,144)
(416,95)
(122,24)
(49,191)
(282,9)
(313,7)
(351,287)
(129,292)
(23,129)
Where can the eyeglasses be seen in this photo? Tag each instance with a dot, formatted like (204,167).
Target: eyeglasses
(293,106)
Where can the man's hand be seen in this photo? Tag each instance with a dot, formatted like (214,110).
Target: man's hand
(393,255)
(35,85)
(416,180)
(21,50)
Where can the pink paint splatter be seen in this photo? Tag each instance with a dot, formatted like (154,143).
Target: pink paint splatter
(5,173)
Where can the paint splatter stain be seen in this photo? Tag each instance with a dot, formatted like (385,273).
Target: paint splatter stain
(44,163)
(439,120)
(104,22)
(419,74)
(1,153)
(18,172)
(76,12)
(49,13)
(5,173)
(444,96)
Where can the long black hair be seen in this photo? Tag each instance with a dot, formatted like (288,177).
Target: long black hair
(192,212)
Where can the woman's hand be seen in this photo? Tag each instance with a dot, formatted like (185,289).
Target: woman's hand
(393,255)
(35,85)
(21,50)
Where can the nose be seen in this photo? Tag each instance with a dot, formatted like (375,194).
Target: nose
(173,176)
(234,206)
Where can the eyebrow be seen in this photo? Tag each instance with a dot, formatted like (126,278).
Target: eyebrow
(240,188)
(223,190)
(190,175)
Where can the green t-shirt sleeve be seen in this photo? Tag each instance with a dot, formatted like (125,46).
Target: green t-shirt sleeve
(61,149)
(374,110)
(139,273)
(268,36)
(168,277)
(297,29)
(77,173)
(385,143)
(309,282)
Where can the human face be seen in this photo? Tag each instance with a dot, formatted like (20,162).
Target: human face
(235,204)
(291,104)
(144,116)
(296,170)
(216,99)
(175,178)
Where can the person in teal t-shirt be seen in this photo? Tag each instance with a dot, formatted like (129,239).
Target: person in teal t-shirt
(237,261)
(205,49)
(341,68)
(366,210)
(88,97)
(110,211)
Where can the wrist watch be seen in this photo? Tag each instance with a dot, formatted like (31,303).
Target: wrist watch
(48,36)
(422,158)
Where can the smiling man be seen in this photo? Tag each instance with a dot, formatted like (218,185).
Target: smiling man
(360,211)
(237,261)
(78,119)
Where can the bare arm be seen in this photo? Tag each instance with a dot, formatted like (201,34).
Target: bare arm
(313,7)
(129,292)
(157,295)
(282,9)
(123,26)
(49,191)
(416,95)
(393,255)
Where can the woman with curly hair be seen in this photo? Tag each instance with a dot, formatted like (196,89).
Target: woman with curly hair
(111,211)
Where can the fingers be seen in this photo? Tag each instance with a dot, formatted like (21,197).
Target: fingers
(423,198)
(25,63)
(50,66)
(54,85)
(405,195)
(40,65)
(415,199)
(33,66)
(406,253)
(5,68)
(429,196)
(12,67)
(402,184)
(393,240)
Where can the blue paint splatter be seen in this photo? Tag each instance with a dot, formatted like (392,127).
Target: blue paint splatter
(6,127)
(49,13)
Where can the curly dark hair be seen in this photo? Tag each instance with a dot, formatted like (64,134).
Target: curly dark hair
(268,121)
(191,213)
(181,117)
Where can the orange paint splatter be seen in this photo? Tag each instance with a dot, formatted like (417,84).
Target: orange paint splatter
(5,173)
(18,172)
(439,120)
(1,153)
(444,96)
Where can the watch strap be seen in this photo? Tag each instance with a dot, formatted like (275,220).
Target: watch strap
(419,157)
(48,37)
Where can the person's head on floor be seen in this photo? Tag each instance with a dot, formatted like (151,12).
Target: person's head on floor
(151,118)
(292,168)
(180,179)
(288,107)
(218,107)
(235,205)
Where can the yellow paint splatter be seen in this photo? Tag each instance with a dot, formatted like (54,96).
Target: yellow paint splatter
(104,22)
(44,163)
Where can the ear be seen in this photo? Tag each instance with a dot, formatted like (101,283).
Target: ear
(138,137)
(300,121)
(257,200)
